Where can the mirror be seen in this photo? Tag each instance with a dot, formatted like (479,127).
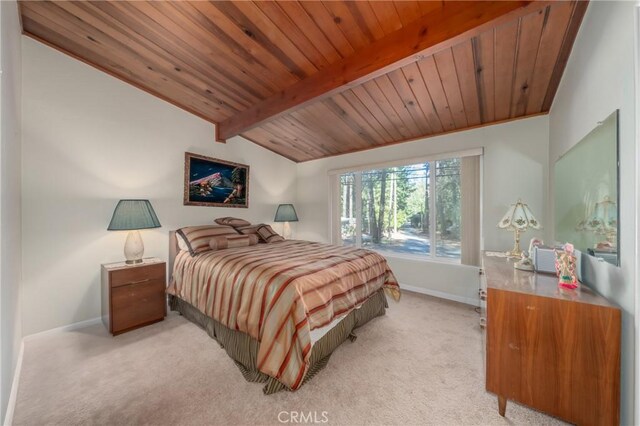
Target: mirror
(586,193)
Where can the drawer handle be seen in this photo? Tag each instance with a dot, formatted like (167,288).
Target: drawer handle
(137,282)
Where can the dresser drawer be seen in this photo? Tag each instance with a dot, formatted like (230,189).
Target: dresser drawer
(137,275)
(137,303)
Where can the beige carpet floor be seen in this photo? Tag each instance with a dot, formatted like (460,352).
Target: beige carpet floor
(422,363)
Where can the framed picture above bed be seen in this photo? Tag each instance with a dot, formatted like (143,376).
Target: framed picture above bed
(215,183)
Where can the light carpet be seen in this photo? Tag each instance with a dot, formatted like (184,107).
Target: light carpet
(421,363)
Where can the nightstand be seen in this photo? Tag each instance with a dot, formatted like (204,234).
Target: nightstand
(133,295)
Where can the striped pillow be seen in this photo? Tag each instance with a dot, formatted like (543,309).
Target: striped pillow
(232,241)
(268,235)
(232,221)
(249,230)
(197,237)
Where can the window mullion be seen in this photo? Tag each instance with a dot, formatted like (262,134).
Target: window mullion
(432,207)
(358,189)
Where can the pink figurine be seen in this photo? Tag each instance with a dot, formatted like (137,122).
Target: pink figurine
(566,267)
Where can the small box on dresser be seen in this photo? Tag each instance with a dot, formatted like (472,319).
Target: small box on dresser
(133,295)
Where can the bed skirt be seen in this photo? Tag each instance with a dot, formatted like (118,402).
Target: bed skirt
(243,349)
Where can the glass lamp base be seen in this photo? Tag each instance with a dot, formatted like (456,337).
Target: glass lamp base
(133,262)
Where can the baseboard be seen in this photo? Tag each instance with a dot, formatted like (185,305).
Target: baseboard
(441,294)
(11,404)
(70,327)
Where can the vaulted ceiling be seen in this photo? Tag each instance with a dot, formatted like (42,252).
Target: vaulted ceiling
(311,79)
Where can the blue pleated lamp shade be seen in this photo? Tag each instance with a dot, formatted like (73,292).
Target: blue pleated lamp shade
(133,214)
(286,213)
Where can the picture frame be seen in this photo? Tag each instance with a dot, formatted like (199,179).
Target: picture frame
(213,182)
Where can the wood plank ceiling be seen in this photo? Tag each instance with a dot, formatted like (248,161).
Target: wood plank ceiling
(218,59)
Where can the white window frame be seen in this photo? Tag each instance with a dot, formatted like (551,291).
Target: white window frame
(335,174)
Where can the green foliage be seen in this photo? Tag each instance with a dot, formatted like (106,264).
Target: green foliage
(398,197)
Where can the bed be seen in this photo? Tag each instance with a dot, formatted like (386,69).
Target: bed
(280,309)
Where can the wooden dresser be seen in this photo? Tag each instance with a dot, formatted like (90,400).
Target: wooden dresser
(133,295)
(557,352)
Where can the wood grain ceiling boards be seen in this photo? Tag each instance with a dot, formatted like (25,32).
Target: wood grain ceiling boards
(508,72)
(217,59)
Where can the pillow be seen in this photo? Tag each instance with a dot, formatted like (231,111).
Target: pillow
(268,235)
(232,241)
(249,230)
(182,244)
(197,237)
(232,221)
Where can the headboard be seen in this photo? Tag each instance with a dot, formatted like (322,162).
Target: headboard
(173,251)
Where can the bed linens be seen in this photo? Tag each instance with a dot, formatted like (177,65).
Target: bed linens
(277,293)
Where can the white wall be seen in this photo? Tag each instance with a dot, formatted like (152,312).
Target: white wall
(10,230)
(515,165)
(90,140)
(599,78)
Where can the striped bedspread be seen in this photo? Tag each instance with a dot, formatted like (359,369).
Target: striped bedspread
(277,293)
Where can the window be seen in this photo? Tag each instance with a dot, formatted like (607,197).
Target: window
(412,209)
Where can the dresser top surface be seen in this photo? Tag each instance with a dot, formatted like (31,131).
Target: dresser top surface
(122,265)
(501,275)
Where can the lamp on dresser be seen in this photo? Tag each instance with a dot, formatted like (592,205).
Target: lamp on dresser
(286,213)
(133,215)
(518,219)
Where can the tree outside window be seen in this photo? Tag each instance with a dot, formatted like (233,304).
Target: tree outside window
(392,209)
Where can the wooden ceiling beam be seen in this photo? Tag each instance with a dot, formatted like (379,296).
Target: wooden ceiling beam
(437,30)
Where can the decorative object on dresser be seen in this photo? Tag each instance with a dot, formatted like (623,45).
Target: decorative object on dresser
(133,296)
(132,215)
(286,213)
(566,267)
(555,351)
(526,261)
(544,259)
(215,183)
(518,219)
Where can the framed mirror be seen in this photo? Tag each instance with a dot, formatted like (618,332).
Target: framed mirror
(587,193)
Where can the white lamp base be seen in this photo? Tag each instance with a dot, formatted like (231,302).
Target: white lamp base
(286,231)
(133,248)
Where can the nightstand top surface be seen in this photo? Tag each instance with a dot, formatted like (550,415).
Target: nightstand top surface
(122,265)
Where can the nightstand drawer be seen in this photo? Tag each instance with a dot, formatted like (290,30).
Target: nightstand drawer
(137,275)
(137,303)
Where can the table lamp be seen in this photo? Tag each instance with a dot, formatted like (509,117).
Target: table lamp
(286,213)
(132,215)
(518,219)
